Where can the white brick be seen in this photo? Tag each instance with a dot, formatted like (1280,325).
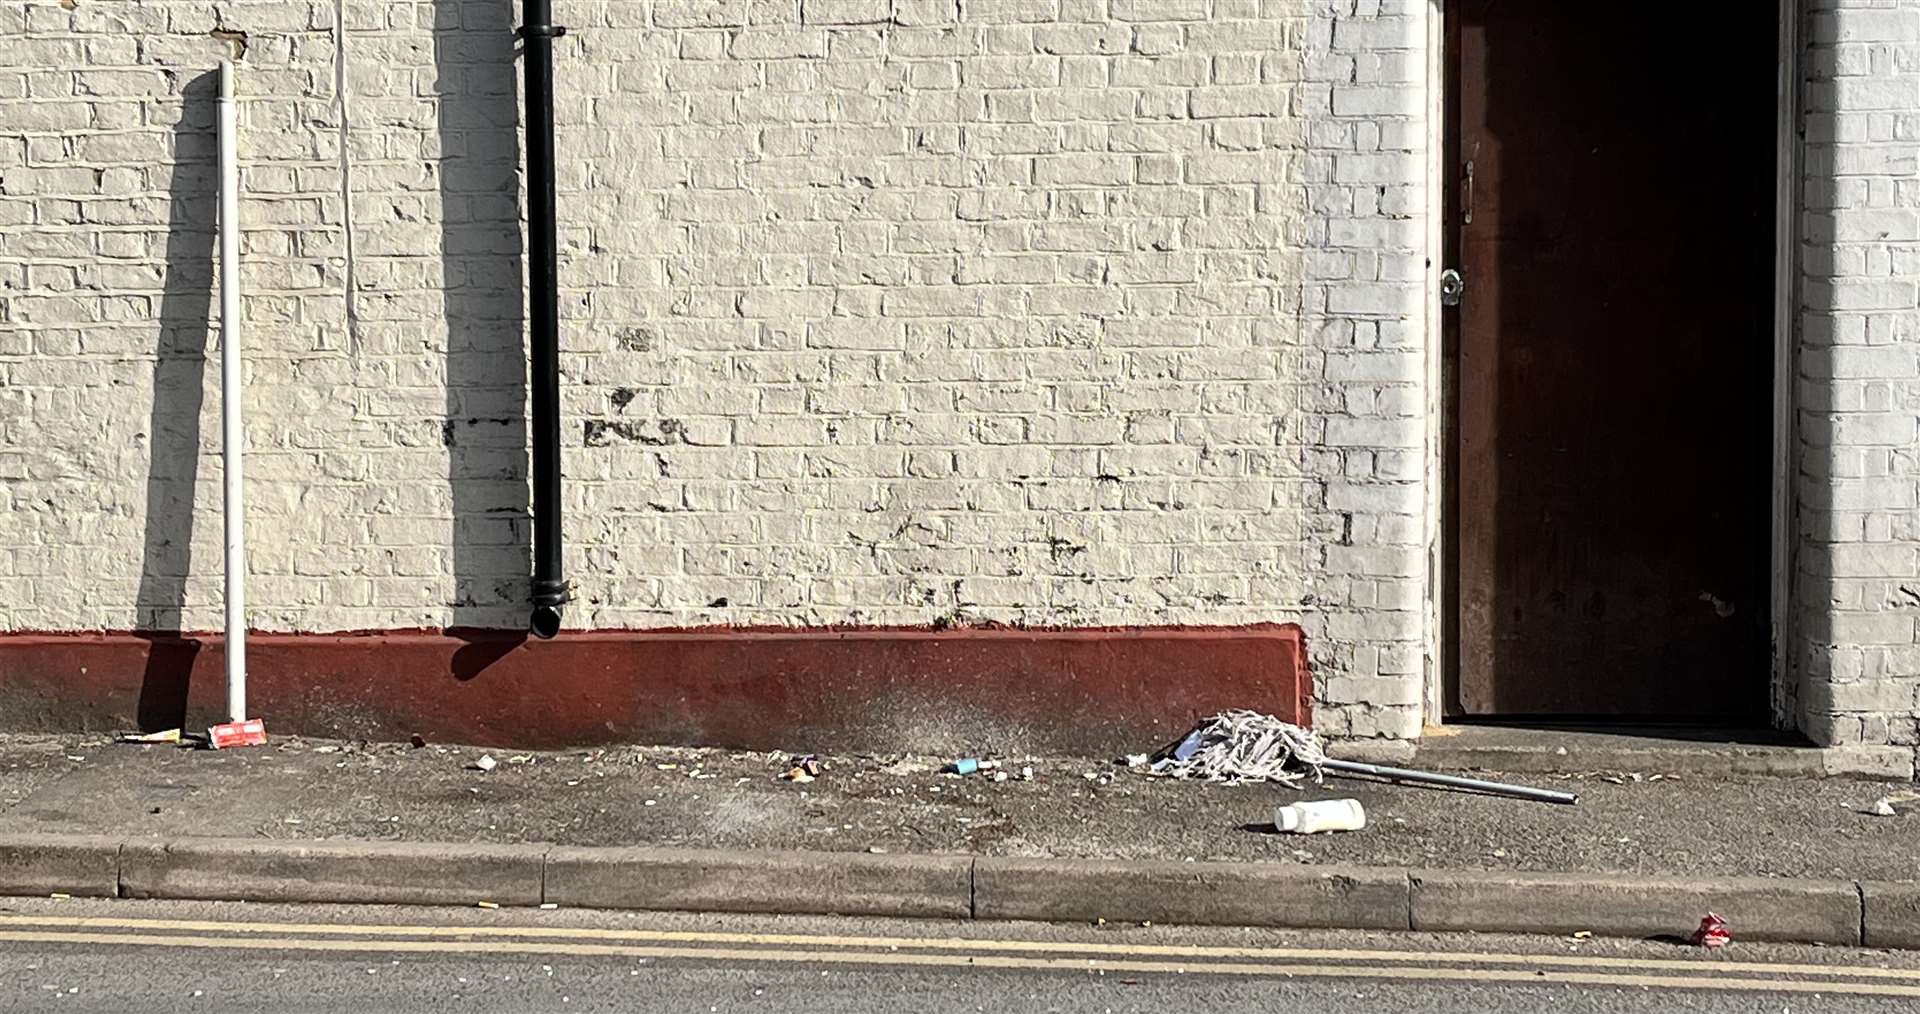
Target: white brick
(829,267)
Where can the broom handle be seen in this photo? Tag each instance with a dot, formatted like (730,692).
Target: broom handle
(1451,781)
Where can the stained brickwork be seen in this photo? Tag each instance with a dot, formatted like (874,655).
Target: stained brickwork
(1058,312)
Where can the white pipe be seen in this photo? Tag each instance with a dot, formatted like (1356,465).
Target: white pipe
(232,438)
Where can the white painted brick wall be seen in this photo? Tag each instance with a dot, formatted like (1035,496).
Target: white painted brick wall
(1858,394)
(1363,98)
(875,311)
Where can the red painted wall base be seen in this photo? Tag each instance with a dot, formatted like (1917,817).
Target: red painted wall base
(1086,690)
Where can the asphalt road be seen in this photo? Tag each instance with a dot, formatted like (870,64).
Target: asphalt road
(156,957)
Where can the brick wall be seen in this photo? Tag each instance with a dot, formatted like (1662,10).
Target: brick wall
(1858,392)
(1064,312)
(1057,312)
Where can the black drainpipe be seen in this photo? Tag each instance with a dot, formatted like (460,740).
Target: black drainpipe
(550,591)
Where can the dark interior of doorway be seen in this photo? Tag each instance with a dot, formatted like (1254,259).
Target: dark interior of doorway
(1684,98)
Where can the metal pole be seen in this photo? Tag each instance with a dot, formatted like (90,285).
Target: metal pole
(550,590)
(233,436)
(1452,781)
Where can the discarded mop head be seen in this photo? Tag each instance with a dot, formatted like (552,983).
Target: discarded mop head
(1243,746)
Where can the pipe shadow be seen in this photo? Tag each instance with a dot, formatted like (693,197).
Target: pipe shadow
(480,649)
(173,422)
(482,258)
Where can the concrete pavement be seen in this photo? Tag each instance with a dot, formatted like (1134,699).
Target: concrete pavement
(1630,820)
(164,957)
(1784,859)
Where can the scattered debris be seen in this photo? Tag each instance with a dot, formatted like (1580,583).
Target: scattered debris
(1583,934)
(907,766)
(417,741)
(970,765)
(1246,746)
(486,904)
(485,763)
(1884,806)
(1138,760)
(548,906)
(802,768)
(163,736)
(1026,773)
(999,776)
(252,732)
(1713,932)
(876,850)
(1242,746)
(1313,817)
(520,758)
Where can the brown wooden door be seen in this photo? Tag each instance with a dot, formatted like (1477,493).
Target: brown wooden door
(1612,215)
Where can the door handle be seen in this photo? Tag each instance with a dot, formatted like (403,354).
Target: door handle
(1466,199)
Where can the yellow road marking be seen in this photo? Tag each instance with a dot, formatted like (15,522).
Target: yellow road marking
(1715,966)
(962,961)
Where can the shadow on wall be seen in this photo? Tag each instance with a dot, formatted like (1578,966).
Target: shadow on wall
(173,427)
(485,428)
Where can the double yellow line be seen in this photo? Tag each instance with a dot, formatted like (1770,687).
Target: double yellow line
(950,952)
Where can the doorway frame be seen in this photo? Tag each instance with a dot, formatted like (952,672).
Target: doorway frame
(1440,622)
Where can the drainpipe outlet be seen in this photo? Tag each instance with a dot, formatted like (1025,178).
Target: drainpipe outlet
(544,623)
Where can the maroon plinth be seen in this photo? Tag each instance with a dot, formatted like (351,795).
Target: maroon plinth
(937,691)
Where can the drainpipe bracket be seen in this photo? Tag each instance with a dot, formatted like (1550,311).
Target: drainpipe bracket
(552,593)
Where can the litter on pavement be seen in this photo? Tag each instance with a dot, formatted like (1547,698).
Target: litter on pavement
(1884,806)
(163,736)
(802,768)
(485,763)
(1315,816)
(252,732)
(1246,746)
(1713,932)
(1243,746)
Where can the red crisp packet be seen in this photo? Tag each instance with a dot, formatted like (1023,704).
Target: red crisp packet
(251,732)
(1713,932)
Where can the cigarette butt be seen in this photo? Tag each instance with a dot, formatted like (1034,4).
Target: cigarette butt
(489,904)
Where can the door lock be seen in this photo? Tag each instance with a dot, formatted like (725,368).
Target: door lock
(1452,287)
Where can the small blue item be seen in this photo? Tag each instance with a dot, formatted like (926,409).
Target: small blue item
(964,766)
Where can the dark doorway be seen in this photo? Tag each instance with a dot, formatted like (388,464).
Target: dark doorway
(1611,209)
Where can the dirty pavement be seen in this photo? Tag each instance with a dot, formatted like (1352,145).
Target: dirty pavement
(1626,821)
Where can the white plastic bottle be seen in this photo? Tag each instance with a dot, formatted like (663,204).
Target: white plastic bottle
(1320,815)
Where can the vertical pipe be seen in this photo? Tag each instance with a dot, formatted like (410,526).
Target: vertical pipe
(231,435)
(550,589)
